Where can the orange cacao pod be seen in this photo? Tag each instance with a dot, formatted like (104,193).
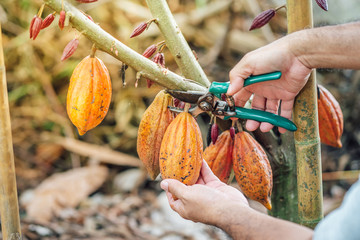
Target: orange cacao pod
(252,169)
(153,125)
(89,94)
(331,123)
(181,150)
(219,156)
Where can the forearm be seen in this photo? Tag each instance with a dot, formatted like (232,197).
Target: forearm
(242,222)
(328,47)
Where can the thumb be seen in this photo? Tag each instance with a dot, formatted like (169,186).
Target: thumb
(175,187)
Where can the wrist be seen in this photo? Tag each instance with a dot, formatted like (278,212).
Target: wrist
(232,217)
(299,47)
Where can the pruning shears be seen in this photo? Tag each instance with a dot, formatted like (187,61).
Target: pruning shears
(222,106)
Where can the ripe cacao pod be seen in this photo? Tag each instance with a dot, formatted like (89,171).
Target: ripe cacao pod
(153,125)
(252,169)
(89,94)
(182,150)
(331,123)
(219,156)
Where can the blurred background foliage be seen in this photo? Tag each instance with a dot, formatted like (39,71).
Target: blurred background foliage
(217,30)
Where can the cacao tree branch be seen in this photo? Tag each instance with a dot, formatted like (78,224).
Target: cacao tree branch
(176,42)
(107,43)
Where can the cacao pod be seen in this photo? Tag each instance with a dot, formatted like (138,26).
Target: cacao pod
(89,94)
(153,125)
(331,123)
(219,156)
(252,169)
(181,150)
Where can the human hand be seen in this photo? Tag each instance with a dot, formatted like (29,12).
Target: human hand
(204,201)
(277,56)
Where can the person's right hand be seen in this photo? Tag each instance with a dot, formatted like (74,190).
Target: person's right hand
(207,201)
(277,56)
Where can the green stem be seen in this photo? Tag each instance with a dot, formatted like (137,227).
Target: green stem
(176,42)
(107,43)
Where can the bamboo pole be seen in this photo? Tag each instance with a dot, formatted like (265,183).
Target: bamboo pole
(307,141)
(10,220)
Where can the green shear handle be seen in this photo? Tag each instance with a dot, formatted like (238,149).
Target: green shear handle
(262,116)
(218,88)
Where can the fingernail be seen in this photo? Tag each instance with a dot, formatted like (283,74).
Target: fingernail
(164,185)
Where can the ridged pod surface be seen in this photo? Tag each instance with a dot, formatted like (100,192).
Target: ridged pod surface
(331,123)
(89,94)
(182,150)
(252,169)
(153,125)
(219,156)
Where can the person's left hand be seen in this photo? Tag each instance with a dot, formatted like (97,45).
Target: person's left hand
(204,201)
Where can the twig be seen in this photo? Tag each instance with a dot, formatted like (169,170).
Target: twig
(107,43)
(341,175)
(102,154)
(176,42)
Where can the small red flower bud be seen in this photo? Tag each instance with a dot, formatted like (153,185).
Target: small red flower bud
(150,51)
(70,49)
(139,29)
(232,132)
(35,27)
(214,133)
(176,102)
(62,19)
(323,4)
(262,19)
(31,26)
(48,20)
(149,83)
(89,17)
(159,58)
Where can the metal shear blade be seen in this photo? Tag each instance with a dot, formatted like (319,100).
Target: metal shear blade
(186,96)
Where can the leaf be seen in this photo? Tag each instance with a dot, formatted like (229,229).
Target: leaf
(64,190)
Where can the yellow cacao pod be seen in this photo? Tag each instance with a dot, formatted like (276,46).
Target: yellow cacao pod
(89,94)
(331,123)
(252,169)
(153,125)
(219,156)
(182,150)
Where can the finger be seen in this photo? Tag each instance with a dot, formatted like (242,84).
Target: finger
(286,111)
(272,106)
(258,103)
(206,173)
(241,97)
(237,76)
(174,187)
(175,205)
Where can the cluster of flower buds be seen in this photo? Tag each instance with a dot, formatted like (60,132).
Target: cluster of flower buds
(159,57)
(37,24)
